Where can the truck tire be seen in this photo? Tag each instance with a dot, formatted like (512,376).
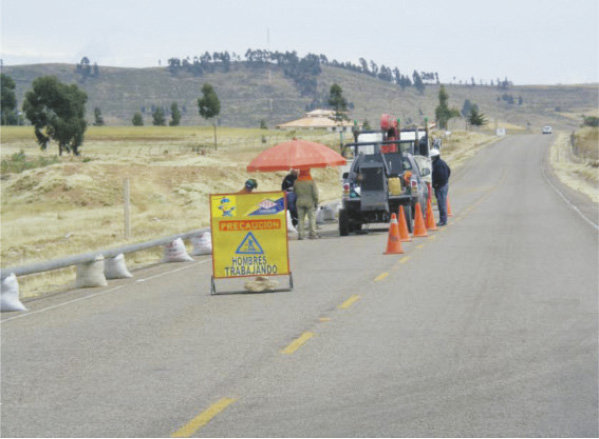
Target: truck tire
(343,222)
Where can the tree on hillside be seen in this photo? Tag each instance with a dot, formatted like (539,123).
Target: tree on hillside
(158,117)
(590,121)
(418,82)
(175,115)
(137,120)
(84,69)
(404,81)
(475,117)
(466,108)
(443,113)
(209,106)
(338,102)
(8,110)
(57,112)
(364,65)
(98,119)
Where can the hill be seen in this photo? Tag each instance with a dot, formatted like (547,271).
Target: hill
(250,94)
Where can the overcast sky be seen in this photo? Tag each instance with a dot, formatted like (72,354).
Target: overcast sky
(528,41)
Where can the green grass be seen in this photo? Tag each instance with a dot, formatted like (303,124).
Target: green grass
(19,162)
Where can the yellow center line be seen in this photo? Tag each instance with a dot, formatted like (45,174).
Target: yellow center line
(203,418)
(419,246)
(349,302)
(381,276)
(401,261)
(297,343)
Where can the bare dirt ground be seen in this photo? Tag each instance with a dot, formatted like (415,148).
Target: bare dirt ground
(76,205)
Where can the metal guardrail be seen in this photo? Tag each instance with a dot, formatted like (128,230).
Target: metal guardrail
(55,264)
(83,258)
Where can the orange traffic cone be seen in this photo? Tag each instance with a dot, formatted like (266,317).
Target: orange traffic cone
(404,235)
(430,216)
(449,213)
(419,227)
(393,242)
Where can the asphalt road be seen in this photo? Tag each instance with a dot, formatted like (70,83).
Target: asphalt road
(488,327)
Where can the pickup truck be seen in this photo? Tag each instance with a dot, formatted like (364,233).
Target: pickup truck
(381,178)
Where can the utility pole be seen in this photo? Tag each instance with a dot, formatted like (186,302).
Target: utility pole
(126,196)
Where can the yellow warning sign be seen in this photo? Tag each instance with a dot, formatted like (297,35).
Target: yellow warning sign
(249,234)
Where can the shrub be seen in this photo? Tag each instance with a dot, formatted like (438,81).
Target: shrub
(18,162)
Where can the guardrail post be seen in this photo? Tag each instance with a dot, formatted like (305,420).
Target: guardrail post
(126,197)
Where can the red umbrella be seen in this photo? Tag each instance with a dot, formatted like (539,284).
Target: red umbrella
(295,154)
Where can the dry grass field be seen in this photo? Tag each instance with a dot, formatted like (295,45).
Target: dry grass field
(71,205)
(580,172)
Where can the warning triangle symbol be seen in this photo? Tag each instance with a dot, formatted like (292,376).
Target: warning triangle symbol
(249,246)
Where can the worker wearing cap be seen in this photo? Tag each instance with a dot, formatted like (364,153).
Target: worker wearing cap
(249,186)
(441,173)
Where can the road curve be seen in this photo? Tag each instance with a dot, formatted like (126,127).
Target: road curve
(488,327)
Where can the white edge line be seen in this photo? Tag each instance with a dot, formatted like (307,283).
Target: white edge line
(172,271)
(568,202)
(99,293)
(63,304)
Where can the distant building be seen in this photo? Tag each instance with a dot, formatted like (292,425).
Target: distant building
(317,119)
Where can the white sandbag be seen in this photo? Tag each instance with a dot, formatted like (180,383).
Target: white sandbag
(176,252)
(290,227)
(9,295)
(202,244)
(320,215)
(329,212)
(91,274)
(116,268)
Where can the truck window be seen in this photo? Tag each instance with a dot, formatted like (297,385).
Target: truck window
(372,179)
(406,147)
(394,163)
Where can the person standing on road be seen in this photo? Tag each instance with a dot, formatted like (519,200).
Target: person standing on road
(441,173)
(307,201)
(287,187)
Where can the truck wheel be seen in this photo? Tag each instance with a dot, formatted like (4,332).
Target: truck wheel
(343,222)
(408,214)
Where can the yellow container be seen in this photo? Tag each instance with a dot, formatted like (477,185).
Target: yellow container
(394,186)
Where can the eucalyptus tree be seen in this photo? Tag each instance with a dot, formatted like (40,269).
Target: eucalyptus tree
(209,106)
(57,112)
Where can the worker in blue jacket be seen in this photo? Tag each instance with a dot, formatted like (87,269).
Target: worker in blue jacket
(441,173)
